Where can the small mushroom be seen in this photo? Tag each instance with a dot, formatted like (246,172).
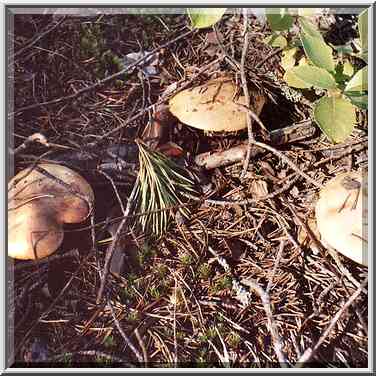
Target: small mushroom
(341,215)
(41,200)
(215,106)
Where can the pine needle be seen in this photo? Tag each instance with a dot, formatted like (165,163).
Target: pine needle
(162,186)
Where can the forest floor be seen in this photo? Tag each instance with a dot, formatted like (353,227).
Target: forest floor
(236,284)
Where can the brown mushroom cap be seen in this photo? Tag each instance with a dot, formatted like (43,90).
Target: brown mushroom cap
(40,204)
(342,215)
(214,106)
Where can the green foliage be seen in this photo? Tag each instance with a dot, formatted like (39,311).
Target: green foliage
(359,82)
(276,40)
(186,259)
(306,76)
(358,99)
(335,116)
(363,34)
(145,253)
(223,283)
(308,28)
(288,58)
(330,75)
(155,292)
(233,339)
(279,19)
(317,51)
(109,342)
(93,46)
(204,271)
(205,17)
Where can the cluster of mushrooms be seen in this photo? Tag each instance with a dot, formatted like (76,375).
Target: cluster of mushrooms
(40,203)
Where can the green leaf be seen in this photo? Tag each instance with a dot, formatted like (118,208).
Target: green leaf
(344,49)
(205,17)
(335,117)
(276,40)
(348,69)
(318,52)
(309,29)
(288,58)
(307,12)
(358,99)
(279,19)
(359,82)
(363,55)
(363,29)
(306,76)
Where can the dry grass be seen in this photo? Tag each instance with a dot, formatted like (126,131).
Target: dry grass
(177,303)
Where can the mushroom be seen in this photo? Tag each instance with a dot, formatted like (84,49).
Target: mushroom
(215,106)
(40,200)
(341,215)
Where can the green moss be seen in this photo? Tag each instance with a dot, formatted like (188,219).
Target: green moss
(204,271)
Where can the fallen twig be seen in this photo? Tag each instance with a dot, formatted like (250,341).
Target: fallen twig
(101,82)
(114,243)
(310,352)
(293,133)
(245,90)
(125,337)
(37,38)
(287,161)
(272,327)
(250,201)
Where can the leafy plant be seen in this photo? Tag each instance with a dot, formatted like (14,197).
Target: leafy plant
(205,17)
(163,186)
(344,89)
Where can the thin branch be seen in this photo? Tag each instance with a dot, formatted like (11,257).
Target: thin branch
(310,352)
(37,38)
(114,243)
(272,326)
(276,263)
(101,82)
(250,201)
(125,337)
(287,161)
(246,91)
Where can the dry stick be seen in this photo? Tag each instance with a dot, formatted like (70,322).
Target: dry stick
(114,243)
(281,136)
(272,326)
(250,201)
(307,355)
(36,39)
(104,81)
(142,345)
(246,91)
(36,137)
(126,339)
(263,61)
(276,263)
(241,292)
(287,161)
(230,59)
(114,188)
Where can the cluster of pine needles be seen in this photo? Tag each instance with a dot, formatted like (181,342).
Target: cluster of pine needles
(164,189)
